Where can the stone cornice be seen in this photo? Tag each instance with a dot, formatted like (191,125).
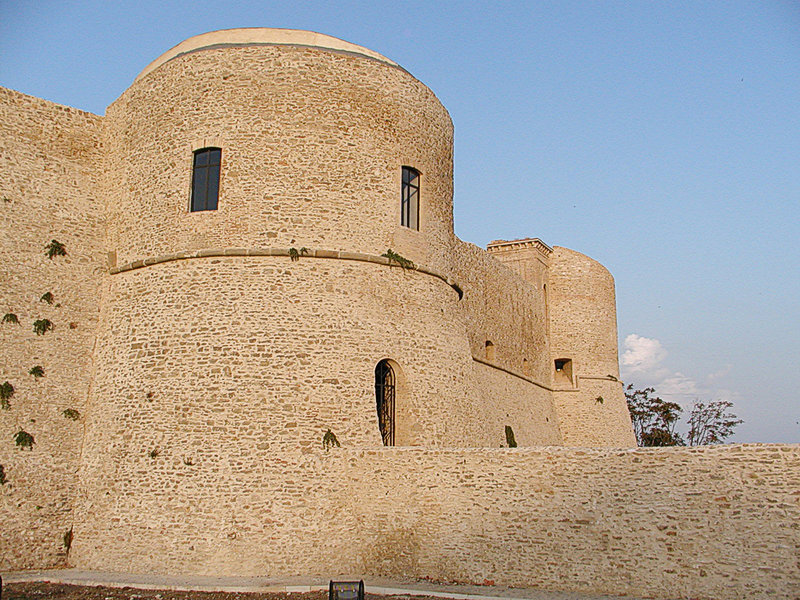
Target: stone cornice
(505,245)
(287,252)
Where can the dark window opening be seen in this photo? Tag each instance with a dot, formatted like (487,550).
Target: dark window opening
(205,179)
(563,371)
(384,396)
(409,199)
(489,351)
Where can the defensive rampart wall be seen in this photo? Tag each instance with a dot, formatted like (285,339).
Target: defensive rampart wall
(50,165)
(709,522)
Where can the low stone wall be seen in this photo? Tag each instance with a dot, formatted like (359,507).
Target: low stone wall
(712,522)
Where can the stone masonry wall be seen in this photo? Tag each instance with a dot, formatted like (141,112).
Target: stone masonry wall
(583,327)
(49,160)
(710,522)
(313,142)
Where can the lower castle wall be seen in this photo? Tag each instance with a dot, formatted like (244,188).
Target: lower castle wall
(710,522)
(510,400)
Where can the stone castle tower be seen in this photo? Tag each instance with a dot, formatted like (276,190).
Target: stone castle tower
(236,284)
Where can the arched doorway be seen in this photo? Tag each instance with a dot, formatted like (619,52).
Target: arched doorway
(385,392)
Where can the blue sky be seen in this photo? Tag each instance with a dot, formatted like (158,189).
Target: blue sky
(662,139)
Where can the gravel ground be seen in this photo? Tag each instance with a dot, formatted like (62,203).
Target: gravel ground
(58,591)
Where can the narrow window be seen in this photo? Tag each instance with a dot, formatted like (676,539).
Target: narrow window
(205,179)
(384,396)
(489,348)
(409,199)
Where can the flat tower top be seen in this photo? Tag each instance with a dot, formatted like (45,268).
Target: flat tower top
(260,36)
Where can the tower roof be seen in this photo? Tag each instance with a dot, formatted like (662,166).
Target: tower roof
(255,36)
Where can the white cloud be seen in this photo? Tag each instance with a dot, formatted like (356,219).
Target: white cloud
(678,384)
(642,355)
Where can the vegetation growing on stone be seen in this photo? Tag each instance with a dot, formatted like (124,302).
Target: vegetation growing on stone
(71,413)
(23,439)
(55,248)
(329,440)
(10,318)
(68,538)
(42,326)
(400,260)
(510,440)
(6,392)
(47,297)
(2,475)
(37,371)
(295,254)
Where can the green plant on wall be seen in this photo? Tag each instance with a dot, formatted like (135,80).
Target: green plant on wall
(68,538)
(47,297)
(42,326)
(599,400)
(23,439)
(71,413)
(37,371)
(329,440)
(295,254)
(394,257)
(10,318)
(6,392)
(154,453)
(2,475)
(510,440)
(55,248)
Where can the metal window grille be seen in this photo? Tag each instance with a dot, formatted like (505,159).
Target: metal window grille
(385,394)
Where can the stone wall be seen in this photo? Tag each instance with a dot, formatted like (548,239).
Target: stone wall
(49,160)
(583,328)
(710,522)
(313,142)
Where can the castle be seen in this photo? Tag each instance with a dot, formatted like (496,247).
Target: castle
(258,255)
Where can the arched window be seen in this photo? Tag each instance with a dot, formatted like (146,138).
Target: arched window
(205,179)
(409,199)
(385,389)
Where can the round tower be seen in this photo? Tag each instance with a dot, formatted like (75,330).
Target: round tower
(588,395)
(257,181)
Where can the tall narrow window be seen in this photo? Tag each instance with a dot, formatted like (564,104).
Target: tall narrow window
(205,179)
(409,199)
(384,396)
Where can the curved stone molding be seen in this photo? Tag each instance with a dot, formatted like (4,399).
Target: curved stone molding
(335,254)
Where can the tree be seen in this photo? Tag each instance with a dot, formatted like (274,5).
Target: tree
(711,423)
(654,419)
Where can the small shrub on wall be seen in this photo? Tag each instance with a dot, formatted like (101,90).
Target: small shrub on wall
(23,440)
(55,248)
(42,326)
